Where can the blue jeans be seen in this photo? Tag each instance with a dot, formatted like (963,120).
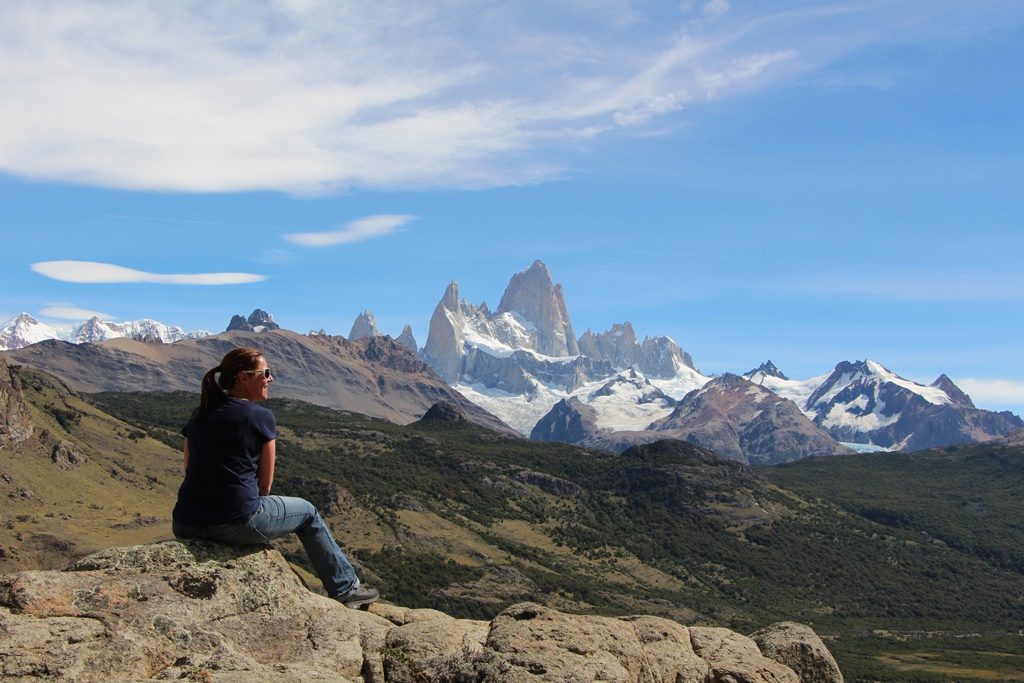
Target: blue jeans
(278,516)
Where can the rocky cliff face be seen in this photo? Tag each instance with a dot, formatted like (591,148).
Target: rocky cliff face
(203,611)
(533,296)
(407,340)
(655,356)
(444,338)
(15,418)
(365,325)
(955,393)
(617,345)
(258,321)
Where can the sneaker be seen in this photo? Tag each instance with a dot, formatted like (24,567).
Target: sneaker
(358,597)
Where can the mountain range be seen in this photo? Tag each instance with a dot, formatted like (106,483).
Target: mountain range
(23,330)
(610,390)
(522,365)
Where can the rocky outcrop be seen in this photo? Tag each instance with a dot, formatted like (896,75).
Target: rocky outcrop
(407,340)
(655,356)
(532,295)
(569,421)
(443,413)
(365,325)
(618,345)
(64,456)
(515,372)
(662,357)
(765,369)
(258,321)
(15,418)
(739,419)
(202,611)
(238,322)
(799,648)
(955,393)
(734,657)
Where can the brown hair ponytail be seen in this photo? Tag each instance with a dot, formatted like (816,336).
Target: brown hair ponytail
(214,388)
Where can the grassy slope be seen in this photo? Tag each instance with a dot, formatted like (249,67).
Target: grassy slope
(122,495)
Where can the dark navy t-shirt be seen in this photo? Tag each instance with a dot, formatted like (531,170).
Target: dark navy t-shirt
(223,455)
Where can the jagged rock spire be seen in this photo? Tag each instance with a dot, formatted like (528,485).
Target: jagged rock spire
(364,326)
(444,339)
(532,295)
(407,340)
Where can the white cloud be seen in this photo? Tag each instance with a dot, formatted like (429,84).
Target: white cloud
(63,311)
(305,96)
(354,231)
(90,272)
(993,391)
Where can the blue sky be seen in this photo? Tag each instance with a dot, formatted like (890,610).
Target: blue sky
(803,181)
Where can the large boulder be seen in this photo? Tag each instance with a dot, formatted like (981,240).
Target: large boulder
(177,610)
(530,642)
(799,648)
(735,658)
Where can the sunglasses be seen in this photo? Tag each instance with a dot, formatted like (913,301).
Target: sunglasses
(265,372)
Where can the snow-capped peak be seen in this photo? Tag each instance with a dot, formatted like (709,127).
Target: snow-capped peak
(869,372)
(766,369)
(23,330)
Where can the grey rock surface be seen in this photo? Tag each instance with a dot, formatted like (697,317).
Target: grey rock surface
(365,325)
(407,340)
(15,418)
(533,295)
(799,647)
(569,421)
(204,611)
(736,658)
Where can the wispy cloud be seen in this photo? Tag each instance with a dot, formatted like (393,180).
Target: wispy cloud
(354,231)
(315,96)
(993,391)
(90,272)
(63,311)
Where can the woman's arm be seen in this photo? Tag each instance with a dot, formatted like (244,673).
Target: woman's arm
(185,450)
(265,470)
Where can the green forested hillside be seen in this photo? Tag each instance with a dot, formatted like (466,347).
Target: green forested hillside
(968,497)
(447,515)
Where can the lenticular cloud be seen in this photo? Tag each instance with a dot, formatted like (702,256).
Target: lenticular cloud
(91,272)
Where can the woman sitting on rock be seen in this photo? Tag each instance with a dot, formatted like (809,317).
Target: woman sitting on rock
(229,469)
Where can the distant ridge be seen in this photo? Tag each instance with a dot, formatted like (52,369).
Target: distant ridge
(375,376)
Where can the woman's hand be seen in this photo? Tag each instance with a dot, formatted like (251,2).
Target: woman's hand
(265,470)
